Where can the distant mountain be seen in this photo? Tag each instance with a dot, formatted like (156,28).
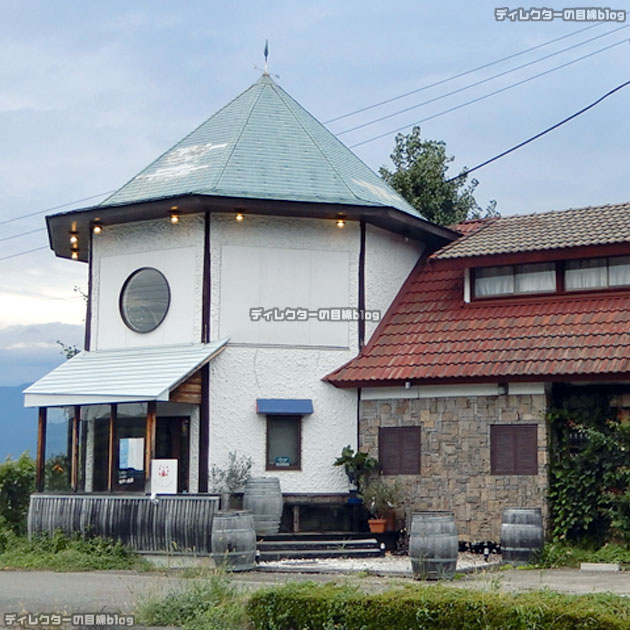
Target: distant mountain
(18,426)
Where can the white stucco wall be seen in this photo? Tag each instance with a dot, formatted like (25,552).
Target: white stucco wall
(389,259)
(176,251)
(244,372)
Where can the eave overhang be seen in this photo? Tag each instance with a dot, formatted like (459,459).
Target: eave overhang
(82,220)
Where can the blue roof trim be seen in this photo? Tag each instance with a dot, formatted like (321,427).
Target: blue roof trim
(284,406)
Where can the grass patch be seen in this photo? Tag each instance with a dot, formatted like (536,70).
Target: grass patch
(204,604)
(58,552)
(557,555)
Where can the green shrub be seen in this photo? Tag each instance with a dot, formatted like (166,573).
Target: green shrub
(208,604)
(315,607)
(58,552)
(557,555)
(17,482)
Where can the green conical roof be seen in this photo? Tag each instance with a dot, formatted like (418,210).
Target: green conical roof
(262,145)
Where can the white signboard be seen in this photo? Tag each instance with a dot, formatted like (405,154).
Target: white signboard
(163,476)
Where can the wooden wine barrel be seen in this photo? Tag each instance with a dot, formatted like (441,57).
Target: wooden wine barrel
(433,545)
(521,535)
(263,498)
(234,541)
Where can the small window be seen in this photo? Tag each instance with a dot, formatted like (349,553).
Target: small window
(399,450)
(619,271)
(144,300)
(513,449)
(586,274)
(515,279)
(284,442)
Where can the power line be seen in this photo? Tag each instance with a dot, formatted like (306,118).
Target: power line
(458,76)
(8,238)
(542,133)
(485,96)
(30,251)
(480,82)
(63,205)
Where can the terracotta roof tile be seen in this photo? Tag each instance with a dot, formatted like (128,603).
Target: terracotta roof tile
(431,334)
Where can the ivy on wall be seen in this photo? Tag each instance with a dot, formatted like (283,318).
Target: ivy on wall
(589,467)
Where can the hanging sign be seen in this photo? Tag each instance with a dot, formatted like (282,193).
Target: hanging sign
(163,476)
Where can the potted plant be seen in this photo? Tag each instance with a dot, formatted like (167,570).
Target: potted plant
(380,498)
(358,467)
(227,481)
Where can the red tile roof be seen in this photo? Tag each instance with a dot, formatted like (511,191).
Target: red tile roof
(430,335)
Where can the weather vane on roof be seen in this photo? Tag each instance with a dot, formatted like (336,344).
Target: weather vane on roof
(266,53)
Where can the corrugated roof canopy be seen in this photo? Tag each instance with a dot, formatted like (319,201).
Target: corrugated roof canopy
(129,375)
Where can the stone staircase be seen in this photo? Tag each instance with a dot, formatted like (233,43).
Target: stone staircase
(318,545)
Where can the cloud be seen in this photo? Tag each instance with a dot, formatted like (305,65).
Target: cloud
(29,352)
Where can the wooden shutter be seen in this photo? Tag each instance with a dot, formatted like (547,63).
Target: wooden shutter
(399,450)
(513,449)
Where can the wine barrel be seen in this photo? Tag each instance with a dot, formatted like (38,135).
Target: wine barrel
(234,541)
(521,535)
(433,545)
(263,498)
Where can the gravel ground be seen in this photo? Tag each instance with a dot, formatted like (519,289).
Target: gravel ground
(388,564)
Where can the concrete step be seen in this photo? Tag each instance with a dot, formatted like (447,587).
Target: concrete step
(274,545)
(287,554)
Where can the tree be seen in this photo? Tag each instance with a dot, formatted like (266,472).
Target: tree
(420,177)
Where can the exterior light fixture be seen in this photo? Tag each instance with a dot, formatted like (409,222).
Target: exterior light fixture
(74,238)
(174,215)
(75,254)
(239,216)
(97,228)
(502,389)
(340,223)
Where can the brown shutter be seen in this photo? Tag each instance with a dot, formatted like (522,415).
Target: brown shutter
(513,449)
(526,447)
(501,450)
(399,450)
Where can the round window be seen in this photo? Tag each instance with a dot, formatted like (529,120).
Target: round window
(144,300)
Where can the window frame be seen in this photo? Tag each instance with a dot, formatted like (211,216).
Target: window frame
(513,267)
(517,468)
(122,307)
(298,420)
(400,470)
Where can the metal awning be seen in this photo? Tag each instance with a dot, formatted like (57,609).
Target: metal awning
(119,376)
(284,406)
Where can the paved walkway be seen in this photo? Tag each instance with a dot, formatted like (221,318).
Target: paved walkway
(119,591)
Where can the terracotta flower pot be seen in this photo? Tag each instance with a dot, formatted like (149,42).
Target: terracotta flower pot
(377,525)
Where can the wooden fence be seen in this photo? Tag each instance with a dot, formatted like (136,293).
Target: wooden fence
(176,523)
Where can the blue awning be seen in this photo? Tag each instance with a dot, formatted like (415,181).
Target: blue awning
(284,406)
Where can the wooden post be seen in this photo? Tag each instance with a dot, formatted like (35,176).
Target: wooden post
(110,450)
(149,442)
(74,453)
(41,449)
(204,428)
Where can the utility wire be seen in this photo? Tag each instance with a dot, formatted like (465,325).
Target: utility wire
(458,76)
(542,133)
(63,205)
(8,238)
(485,96)
(30,251)
(480,82)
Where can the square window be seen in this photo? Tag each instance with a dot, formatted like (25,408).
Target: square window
(513,449)
(284,442)
(399,450)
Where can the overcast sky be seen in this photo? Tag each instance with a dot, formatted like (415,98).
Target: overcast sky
(94,91)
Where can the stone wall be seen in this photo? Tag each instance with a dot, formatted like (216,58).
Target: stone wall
(455,456)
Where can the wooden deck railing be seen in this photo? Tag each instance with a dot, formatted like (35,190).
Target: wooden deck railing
(176,523)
